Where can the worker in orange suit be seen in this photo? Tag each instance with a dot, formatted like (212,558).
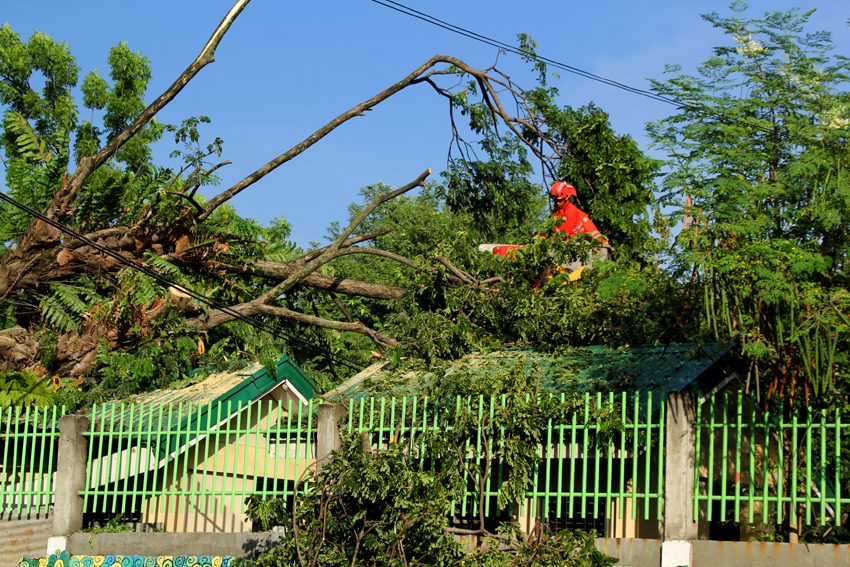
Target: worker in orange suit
(575,221)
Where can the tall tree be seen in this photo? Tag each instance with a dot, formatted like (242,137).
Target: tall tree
(759,150)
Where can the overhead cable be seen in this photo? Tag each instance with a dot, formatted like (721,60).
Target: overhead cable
(699,108)
(398,7)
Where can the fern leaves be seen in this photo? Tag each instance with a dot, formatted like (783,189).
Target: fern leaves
(27,143)
(67,306)
(33,170)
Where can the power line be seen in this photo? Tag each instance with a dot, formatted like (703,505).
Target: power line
(521,52)
(689,107)
(168,282)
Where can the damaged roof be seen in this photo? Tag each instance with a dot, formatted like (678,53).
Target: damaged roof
(667,368)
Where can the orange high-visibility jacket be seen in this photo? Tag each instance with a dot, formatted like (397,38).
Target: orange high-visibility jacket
(576,221)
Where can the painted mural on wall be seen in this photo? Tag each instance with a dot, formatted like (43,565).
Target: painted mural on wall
(63,559)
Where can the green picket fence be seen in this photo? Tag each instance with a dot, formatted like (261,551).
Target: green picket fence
(28,444)
(166,460)
(756,466)
(583,473)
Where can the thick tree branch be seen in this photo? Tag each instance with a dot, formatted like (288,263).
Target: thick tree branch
(329,253)
(465,278)
(252,308)
(280,271)
(489,83)
(257,305)
(299,148)
(355,326)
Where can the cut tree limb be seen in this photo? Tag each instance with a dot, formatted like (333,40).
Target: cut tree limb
(87,165)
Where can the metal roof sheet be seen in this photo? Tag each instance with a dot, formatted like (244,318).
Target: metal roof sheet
(210,401)
(667,368)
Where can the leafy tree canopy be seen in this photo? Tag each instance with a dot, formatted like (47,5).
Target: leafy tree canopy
(759,152)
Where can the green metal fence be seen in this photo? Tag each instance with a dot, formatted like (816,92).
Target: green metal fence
(621,477)
(169,462)
(584,475)
(165,461)
(28,445)
(756,466)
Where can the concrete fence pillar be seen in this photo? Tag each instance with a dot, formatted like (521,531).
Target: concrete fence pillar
(70,480)
(328,438)
(680,528)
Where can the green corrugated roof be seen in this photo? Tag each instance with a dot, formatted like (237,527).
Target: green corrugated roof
(210,401)
(667,368)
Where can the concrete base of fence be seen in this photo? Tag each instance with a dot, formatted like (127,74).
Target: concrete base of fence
(152,544)
(764,554)
(56,544)
(633,552)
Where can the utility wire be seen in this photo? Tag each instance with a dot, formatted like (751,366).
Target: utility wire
(398,7)
(690,107)
(168,282)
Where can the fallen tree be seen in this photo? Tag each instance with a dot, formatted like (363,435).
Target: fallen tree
(117,211)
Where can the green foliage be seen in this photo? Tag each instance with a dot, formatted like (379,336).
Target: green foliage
(571,548)
(614,179)
(497,194)
(25,389)
(34,167)
(761,149)
(149,365)
(52,110)
(116,524)
(69,306)
(384,507)
(618,302)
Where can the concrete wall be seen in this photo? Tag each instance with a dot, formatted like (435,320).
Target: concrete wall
(23,538)
(764,554)
(632,552)
(155,544)
(647,553)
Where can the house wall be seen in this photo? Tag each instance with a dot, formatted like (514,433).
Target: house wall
(626,517)
(209,482)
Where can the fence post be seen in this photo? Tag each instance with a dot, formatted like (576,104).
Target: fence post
(679,525)
(328,438)
(70,480)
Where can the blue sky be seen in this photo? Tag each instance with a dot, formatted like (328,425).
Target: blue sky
(287,68)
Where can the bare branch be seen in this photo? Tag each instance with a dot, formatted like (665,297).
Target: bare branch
(88,164)
(332,255)
(459,274)
(350,242)
(200,178)
(380,339)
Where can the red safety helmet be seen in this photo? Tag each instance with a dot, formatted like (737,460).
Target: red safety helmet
(562,190)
